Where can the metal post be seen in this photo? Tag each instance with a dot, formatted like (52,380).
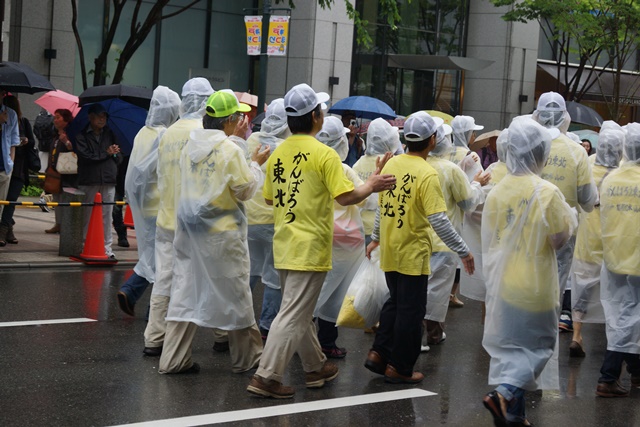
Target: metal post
(262,86)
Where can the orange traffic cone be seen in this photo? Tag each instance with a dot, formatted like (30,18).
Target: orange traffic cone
(93,252)
(128,217)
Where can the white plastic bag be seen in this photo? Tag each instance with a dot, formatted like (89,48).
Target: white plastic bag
(366,295)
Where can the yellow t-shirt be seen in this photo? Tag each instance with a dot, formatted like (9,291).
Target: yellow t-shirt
(455,188)
(303,177)
(169,151)
(364,167)
(620,211)
(498,171)
(405,239)
(568,168)
(589,235)
(517,255)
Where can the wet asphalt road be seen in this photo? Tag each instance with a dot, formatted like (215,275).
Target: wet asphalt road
(94,374)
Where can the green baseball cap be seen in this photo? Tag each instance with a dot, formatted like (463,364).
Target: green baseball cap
(224,103)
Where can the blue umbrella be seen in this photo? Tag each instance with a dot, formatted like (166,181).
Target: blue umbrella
(363,107)
(124,119)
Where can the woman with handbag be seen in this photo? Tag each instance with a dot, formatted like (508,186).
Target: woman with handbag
(26,159)
(56,178)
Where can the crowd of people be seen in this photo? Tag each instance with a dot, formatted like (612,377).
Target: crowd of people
(537,226)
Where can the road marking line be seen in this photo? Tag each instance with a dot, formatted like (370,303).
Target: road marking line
(280,410)
(46,322)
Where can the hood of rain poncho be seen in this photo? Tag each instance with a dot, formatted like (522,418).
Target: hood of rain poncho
(610,125)
(501,145)
(164,108)
(333,134)
(610,143)
(575,138)
(274,127)
(552,112)
(528,146)
(463,127)
(194,97)
(382,138)
(632,143)
(444,145)
(201,143)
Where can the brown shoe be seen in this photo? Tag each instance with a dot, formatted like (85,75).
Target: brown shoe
(611,390)
(53,230)
(392,376)
(576,350)
(375,363)
(317,379)
(266,388)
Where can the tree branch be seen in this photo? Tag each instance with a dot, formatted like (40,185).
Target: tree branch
(179,11)
(76,33)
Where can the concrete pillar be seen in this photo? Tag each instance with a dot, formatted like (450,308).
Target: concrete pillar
(71,223)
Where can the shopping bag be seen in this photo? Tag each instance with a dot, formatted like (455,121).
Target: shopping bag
(366,295)
(67,163)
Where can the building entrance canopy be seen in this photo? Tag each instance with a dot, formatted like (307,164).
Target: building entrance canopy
(437,62)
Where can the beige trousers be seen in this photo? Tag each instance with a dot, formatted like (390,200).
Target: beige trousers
(245,346)
(293,329)
(156,327)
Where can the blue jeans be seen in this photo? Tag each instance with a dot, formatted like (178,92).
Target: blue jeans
(270,304)
(515,397)
(134,287)
(612,365)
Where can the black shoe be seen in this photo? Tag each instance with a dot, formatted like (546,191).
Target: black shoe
(492,402)
(193,369)
(152,351)
(125,305)
(221,347)
(123,243)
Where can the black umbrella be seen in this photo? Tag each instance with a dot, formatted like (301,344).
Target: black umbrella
(21,78)
(140,96)
(582,114)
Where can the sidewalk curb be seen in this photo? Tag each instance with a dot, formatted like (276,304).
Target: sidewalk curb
(65,264)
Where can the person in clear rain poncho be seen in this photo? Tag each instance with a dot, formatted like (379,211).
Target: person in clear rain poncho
(381,138)
(569,169)
(141,186)
(464,134)
(194,95)
(525,220)
(273,131)
(474,286)
(211,268)
(347,249)
(620,277)
(587,257)
(460,196)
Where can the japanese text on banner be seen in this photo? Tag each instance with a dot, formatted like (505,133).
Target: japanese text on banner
(278,36)
(254,34)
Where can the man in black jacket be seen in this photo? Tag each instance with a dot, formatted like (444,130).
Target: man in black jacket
(98,158)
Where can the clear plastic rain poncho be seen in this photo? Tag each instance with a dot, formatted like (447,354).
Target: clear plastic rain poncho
(381,138)
(141,181)
(463,128)
(211,268)
(194,96)
(587,258)
(620,218)
(524,219)
(460,196)
(348,232)
(474,286)
(273,131)
(551,112)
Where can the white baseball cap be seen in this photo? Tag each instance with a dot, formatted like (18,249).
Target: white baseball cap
(332,130)
(461,124)
(301,99)
(420,125)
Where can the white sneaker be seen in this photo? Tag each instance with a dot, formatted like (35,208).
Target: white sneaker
(424,348)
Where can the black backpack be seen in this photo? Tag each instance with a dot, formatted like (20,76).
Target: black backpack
(44,130)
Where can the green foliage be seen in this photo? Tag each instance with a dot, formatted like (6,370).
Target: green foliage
(31,191)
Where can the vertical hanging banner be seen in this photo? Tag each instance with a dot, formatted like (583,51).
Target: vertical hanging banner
(254,34)
(278,35)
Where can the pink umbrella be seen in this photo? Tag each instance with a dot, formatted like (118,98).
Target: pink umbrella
(56,100)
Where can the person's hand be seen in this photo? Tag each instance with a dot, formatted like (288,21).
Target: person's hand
(483,178)
(23,140)
(380,162)
(381,182)
(113,149)
(261,156)
(371,246)
(242,127)
(4,117)
(469,264)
